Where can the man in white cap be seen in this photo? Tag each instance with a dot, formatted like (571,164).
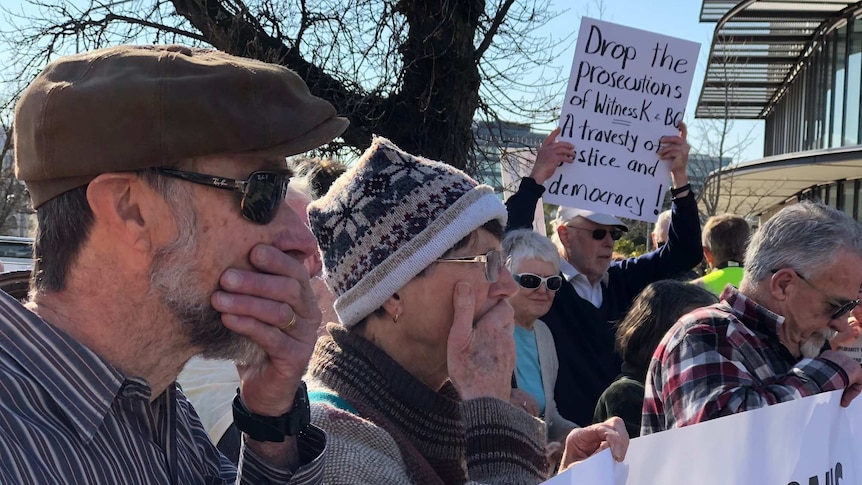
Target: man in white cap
(597,290)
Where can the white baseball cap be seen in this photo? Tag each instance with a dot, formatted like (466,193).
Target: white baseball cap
(566,214)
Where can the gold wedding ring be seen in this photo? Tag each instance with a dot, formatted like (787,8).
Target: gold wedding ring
(285,328)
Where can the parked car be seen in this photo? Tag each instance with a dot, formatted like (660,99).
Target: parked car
(16,253)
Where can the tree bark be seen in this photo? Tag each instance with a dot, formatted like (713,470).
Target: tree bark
(432,113)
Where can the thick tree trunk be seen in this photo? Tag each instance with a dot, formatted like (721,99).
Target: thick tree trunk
(432,113)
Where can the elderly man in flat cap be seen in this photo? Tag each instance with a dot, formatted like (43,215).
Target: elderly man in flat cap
(158,178)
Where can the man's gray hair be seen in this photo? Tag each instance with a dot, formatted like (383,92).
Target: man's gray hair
(524,244)
(806,236)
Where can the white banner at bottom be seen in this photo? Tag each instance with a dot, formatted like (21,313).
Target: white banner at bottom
(811,441)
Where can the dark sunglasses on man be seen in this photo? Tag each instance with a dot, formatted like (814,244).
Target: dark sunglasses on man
(262,192)
(599,234)
(532,281)
(839,307)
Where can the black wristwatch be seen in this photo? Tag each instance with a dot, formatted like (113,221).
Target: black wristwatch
(274,428)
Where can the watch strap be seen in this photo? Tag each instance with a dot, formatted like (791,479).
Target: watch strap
(675,192)
(274,428)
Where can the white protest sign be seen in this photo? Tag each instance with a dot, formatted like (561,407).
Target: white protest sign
(627,89)
(811,441)
(853,348)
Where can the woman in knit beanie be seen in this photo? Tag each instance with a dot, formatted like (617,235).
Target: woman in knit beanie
(412,385)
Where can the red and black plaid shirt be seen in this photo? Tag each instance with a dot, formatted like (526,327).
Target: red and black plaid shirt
(725,359)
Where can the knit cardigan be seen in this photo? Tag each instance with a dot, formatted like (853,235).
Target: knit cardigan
(397,430)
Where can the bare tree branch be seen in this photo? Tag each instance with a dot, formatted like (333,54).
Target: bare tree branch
(492,30)
(412,70)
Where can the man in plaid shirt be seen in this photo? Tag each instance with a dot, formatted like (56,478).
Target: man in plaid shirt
(762,344)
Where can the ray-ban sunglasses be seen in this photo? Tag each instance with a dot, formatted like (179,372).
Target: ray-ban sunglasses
(262,192)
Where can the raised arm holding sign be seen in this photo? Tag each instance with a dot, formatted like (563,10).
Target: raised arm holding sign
(597,291)
(625,100)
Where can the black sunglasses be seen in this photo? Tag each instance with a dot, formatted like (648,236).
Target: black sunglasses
(532,281)
(262,192)
(599,234)
(841,309)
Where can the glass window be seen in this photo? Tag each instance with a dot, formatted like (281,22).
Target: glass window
(858,199)
(854,85)
(14,249)
(848,203)
(817,193)
(826,69)
(832,195)
(840,40)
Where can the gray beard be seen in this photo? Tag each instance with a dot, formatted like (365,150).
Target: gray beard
(176,281)
(812,347)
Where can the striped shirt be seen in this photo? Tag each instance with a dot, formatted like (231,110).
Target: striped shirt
(67,416)
(725,359)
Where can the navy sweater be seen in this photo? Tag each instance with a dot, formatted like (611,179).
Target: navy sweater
(584,334)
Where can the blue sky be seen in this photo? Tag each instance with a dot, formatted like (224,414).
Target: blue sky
(676,18)
(670,17)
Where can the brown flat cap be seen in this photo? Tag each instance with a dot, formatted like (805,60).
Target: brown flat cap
(132,107)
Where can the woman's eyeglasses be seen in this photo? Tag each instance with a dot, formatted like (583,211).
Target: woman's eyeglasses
(262,192)
(532,281)
(599,234)
(493,260)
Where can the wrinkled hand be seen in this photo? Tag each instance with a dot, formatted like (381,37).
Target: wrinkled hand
(523,400)
(261,306)
(845,337)
(582,443)
(853,370)
(849,334)
(551,155)
(481,357)
(675,149)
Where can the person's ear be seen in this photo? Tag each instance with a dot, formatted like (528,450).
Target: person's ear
(779,284)
(125,205)
(394,307)
(708,255)
(562,232)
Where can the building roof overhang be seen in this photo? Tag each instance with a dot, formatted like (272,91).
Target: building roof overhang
(758,48)
(755,187)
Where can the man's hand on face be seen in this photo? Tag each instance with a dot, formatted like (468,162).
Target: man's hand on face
(275,308)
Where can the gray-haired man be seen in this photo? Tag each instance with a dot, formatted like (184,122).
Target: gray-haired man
(762,344)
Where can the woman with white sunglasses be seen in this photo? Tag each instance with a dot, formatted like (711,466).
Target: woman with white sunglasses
(535,265)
